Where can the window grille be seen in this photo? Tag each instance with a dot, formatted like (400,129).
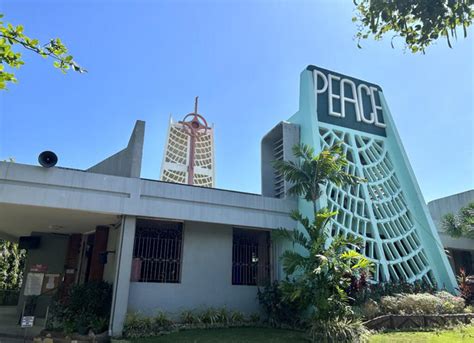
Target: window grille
(250,257)
(157,251)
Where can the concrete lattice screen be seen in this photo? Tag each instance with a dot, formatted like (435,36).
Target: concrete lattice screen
(377,210)
(176,158)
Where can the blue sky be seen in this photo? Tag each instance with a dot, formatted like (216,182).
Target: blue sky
(148,59)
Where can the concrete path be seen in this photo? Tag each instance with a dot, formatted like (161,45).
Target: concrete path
(10,331)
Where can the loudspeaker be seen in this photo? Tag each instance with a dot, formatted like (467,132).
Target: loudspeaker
(29,242)
(47,159)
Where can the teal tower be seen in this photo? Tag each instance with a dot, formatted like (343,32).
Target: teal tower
(388,212)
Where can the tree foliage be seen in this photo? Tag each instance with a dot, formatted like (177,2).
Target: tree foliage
(462,224)
(320,270)
(322,274)
(312,172)
(418,22)
(87,306)
(12,36)
(12,261)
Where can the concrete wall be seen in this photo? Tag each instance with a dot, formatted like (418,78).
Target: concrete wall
(52,253)
(127,162)
(290,133)
(206,277)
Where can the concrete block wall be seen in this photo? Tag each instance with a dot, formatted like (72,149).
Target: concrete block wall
(206,277)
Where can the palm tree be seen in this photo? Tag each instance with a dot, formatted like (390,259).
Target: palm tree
(312,173)
(320,275)
(462,224)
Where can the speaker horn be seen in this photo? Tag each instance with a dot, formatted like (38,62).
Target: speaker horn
(47,159)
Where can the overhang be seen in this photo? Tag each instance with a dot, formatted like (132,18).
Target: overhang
(31,194)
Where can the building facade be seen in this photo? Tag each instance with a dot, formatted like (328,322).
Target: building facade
(168,246)
(172,247)
(388,212)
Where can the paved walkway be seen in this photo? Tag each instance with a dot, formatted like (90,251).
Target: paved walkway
(10,331)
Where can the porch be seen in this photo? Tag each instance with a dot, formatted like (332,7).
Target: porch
(67,209)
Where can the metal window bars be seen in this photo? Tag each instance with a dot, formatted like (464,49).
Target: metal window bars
(157,251)
(250,257)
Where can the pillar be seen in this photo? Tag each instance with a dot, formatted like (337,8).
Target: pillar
(71,263)
(123,267)
(96,272)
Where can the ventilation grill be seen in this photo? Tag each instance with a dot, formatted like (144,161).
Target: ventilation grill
(279,182)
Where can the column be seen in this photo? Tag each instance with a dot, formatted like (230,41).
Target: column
(123,269)
(96,272)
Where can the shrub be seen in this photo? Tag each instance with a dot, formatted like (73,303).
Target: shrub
(210,316)
(189,317)
(469,309)
(338,331)
(87,307)
(450,303)
(223,316)
(277,309)
(254,318)
(389,304)
(422,303)
(161,322)
(9,297)
(138,325)
(465,286)
(370,309)
(237,317)
(360,290)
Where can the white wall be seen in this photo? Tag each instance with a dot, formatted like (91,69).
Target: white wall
(206,278)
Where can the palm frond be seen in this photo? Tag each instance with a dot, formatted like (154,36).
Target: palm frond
(292,261)
(363,263)
(351,254)
(298,189)
(323,216)
(298,216)
(451,226)
(283,233)
(303,151)
(294,236)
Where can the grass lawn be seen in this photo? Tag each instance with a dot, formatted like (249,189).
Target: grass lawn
(265,335)
(460,334)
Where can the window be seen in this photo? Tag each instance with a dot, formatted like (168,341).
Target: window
(157,251)
(250,257)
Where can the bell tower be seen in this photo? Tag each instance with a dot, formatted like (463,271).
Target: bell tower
(189,151)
